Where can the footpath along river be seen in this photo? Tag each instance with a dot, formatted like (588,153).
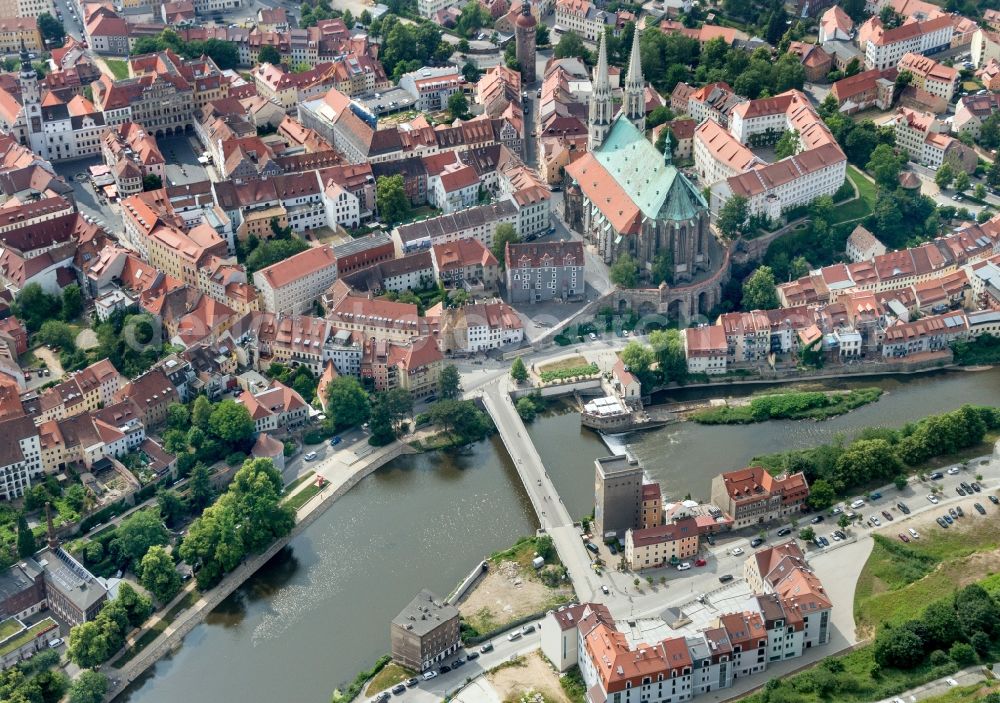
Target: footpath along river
(319,611)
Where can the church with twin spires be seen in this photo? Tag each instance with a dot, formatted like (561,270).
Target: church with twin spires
(627,197)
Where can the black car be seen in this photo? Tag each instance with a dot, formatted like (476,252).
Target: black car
(958,509)
(818,519)
(444,669)
(457,663)
(784,531)
(612,548)
(488,647)
(725,578)
(903,508)
(937,476)
(382,697)
(472,655)
(840,533)
(960,490)
(976,487)
(711,539)
(995,500)
(756,542)
(399,689)
(980,508)
(942,522)
(966,487)
(824,541)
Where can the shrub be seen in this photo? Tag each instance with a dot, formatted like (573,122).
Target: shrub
(236,458)
(938,658)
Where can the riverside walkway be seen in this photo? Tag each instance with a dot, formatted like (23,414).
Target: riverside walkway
(553,516)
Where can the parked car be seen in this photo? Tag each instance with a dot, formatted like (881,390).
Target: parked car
(784,531)
(976,487)
(836,537)
(605,590)
(411,682)
(979,508)
(953,470)
(958,509)
(932,498)
(904,537)
(887,515)
(592,547)
(382,697)
(994,500)
(817,519)
(857,504)
(428,675)
(953,513)
(527,629)
(874,496)
(725,578)
(756,542)
(457,663)
(444,669)
(57,642)
(825,541)
(874,521)
(913,533)
(840,533)
(612,548)
(399,689)
(959,490)
(936,476)
(948,518)
(311,456)
(942,522)
(488,647)
(335,441)
(736,551)
(837,510)
(903,508)
(684,566)
(700,562)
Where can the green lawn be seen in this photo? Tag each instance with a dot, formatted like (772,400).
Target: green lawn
(861,206)
(298,482)
(118,67)
(302,497)
(8,627)
(390,675)
(900,579)
(156,630)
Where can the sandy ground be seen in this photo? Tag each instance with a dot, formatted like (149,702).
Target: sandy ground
(505,594)
(51,360)
(87,339)
(535,675)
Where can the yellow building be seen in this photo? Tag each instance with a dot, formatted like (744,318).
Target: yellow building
(15,30)
(658,546)
(258,222)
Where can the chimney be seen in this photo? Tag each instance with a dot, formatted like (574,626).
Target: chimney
(53,542)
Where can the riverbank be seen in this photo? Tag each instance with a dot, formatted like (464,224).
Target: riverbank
(182,623)
(789,405)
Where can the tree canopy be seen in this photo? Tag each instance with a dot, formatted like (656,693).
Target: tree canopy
(391,199)
(346,402)
(759,291)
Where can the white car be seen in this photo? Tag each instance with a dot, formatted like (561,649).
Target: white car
(684,566)
(932,498)
(951,682)
(857,504)
(311,456)
(736,551)
(428,675)
(55,643)
(953,470)
(914,534)
(605,590)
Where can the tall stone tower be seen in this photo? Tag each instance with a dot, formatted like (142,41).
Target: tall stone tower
(30,99)
(634,104)
(601,105)
(524,37)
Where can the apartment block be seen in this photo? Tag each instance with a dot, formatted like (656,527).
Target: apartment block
(293,284)
(752,496)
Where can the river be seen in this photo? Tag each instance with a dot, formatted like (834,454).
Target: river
(319,611)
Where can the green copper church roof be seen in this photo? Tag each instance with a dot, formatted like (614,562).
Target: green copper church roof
(658,188)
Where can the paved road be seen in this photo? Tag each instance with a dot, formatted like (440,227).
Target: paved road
(938,687)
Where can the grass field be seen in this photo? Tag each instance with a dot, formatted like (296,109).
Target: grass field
(298,482)
(390,675)
(570,362)
(860,207)
(303,496)
(118,67)
(966,694)
(900,579)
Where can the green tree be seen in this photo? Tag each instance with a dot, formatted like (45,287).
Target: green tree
(346,402)
(518,371)
(178,417)
(788,144)
(231,422)
(458,105)
(541,34)
(734,216)
(504,233)
(25,537)
(152,181)
(51,29)
(759,291)
(159,576)
(855,9)
(979,191)
(72,303)
(88,645)
(471,72)
(669,349)
(201,412)
(898,647)
(526,409)
(391,200)
(88,687)
(663,268)
(138,532)
(449,383)
(570,45)
(885,166)
(637,357)
(962,182)
(460,418)
(269,54)
(944,176)
(807,534)
(821,495)
(200,490)
(171,506)
(624,272)
(989,132)
(962,654)
(137,607)
(776,24)
(57,334)
(380,422)
(34,306)
(798,267)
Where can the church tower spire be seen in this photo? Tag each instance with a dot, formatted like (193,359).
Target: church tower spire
(599,119)
(634,107)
